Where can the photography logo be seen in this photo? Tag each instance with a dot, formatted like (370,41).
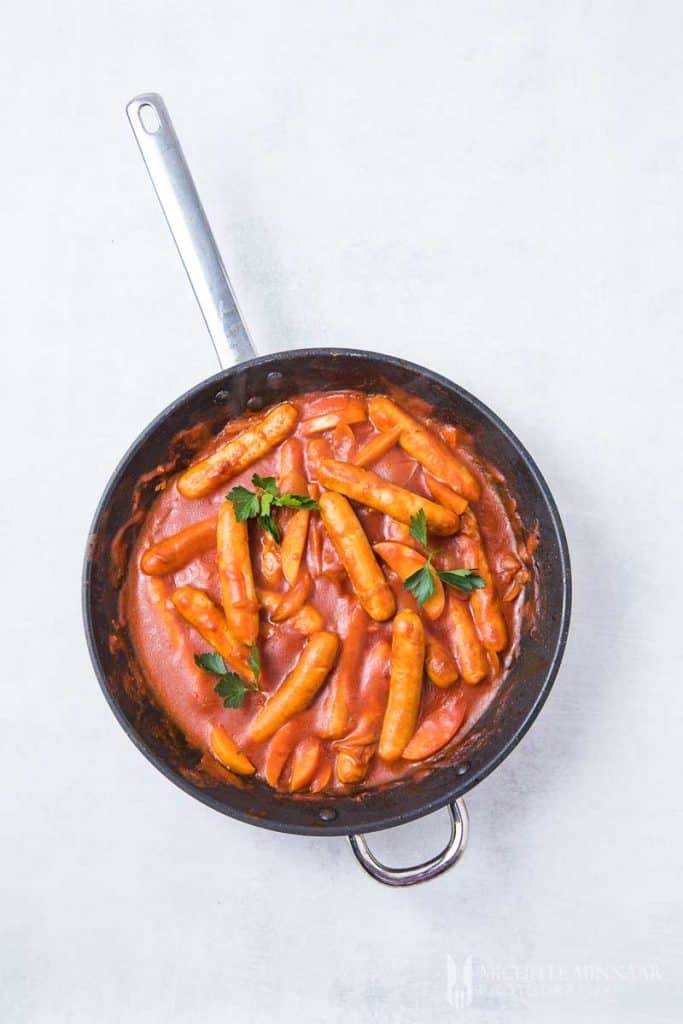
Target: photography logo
(459,982)
(507,983)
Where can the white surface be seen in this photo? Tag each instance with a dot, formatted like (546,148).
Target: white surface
(491,189)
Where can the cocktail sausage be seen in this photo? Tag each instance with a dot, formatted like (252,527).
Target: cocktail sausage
(294,544)
(197,608)
(172,553)
(292,477)
(405,561)
(299,688)
(236,576)
(439,664)
(228,753)
(337,701)
(424,446)
(231,458)
(468,651)
(435,731)
(405,685)
(376,447)
(367,488)
(353,548)
(486,609)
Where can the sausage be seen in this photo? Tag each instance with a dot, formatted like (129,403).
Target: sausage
(294,544)
(376,447)
(291,476)
(277,754)
(307,620)
(353,547)
(367,488)
(435,731)
(268,599)
(316,537)
(469,653)
(197,608)
(405,685)
(449,434)
(270,558)
(226,750)
(336,710)
(236,576)
(445,496)
(241,451)
(322,776)
(486,609)
(333,401)
(304,763)
(299,688)
(351,765)
(294,599)
(173,552)
(439,664)
(342,442)
(356,750)
(317,449)
(424,446)
(352,410)
(405,561)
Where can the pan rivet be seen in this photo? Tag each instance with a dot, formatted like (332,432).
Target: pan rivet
(327,814)
(221,396)
(274,380)
(462,769)
(255,403)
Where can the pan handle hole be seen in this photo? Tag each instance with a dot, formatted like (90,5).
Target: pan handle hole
(149,119)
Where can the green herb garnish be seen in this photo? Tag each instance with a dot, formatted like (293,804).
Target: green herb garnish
(418,527)
(461,579)
(259,504)
(421,583)
(230,686)
(255,661)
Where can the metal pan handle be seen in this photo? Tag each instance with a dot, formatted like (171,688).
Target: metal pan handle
(441,862)
(177,193)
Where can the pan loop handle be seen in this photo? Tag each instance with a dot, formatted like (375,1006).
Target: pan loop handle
(441,862)
(185,216)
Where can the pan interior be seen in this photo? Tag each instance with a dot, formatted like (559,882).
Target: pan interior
(256,384)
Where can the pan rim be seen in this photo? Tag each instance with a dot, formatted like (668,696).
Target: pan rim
(461,784)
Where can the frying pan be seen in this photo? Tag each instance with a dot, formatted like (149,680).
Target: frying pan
(246,382)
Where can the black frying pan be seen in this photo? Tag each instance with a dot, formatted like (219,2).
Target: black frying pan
(250,383)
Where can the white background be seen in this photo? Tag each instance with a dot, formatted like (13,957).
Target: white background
(492,189)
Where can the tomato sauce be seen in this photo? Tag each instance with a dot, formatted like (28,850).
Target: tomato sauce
(166,644)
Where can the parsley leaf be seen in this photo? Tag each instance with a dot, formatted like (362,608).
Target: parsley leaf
(266,501)
(294,501)
(463,579)
(232,689)
(246,503)
(266,483)
(421,583)
(269,524)
(211,662)
(229,684)
(255,661)
(418,527)
(259,504)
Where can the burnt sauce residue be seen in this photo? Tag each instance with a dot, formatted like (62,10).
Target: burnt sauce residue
(163,645)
